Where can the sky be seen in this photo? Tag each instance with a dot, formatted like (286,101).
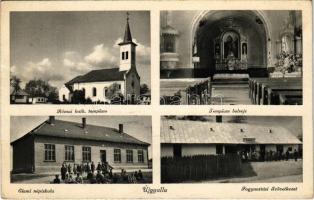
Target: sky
(139,127)
(57,46)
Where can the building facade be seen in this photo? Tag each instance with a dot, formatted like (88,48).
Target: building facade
(198,44)
(187,138)
(96,84)
(48,146)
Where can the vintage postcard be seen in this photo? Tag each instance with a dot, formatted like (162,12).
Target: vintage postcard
(156,99)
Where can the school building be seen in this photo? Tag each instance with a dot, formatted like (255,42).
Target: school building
(46,147)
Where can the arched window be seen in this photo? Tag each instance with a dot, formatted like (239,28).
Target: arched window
(94,92)
(105,91)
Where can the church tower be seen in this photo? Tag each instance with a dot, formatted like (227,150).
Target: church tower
(127,49)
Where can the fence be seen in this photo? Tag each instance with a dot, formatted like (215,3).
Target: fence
(200,167)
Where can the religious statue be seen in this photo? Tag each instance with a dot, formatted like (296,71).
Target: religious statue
(230,47)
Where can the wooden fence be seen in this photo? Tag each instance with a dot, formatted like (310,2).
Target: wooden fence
(200,167)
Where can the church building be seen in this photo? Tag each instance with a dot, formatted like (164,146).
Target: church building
(97,84)
(227,48)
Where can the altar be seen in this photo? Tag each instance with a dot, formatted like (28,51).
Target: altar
(230,52)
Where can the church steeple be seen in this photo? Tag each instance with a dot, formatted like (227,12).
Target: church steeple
(127,32)
(127,48)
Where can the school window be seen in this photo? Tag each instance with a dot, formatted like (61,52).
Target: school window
(117,155)
(69,153)
(122,55)
(50,152)
(86,154)
(129,156)
(126,55)
(140,155)
(119,86)
(94,91)
(219,149)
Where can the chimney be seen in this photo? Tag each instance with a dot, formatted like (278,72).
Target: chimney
(84,122)
(120,128)
(218,118)
(51,120)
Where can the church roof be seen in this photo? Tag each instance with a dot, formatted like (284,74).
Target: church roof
(99,75)
(197,132)
(127,39)
(73,130)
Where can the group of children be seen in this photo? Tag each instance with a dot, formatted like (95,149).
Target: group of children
(89,173)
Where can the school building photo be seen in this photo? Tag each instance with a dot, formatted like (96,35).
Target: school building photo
(231,149)
(103,149)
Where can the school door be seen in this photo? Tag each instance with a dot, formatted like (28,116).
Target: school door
(103,156)
(177,150)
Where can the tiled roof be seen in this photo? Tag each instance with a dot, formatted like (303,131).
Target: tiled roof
(72,130)
(185,131)
(19,93)
(100,75)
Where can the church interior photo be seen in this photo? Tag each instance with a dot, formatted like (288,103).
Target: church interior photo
(234,57)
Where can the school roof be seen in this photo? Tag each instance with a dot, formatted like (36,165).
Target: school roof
(73,130)
(197,132)
(100,75)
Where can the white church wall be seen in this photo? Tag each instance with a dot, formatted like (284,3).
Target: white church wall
(183,22)
(64,93)
(100,92)
(125,64)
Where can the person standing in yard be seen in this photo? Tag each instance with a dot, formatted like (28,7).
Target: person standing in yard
(56,180)
(63,172)
(295,155)
(93,167)
(78,178)
(287,155)
(69,169)
(74,169)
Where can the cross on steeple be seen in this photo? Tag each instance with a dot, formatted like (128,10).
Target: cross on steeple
(127,16)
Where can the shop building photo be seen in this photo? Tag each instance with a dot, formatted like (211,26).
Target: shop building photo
(101,149)
(80,57)
(231,57)
(231,149)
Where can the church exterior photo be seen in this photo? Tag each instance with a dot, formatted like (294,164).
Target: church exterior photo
(54,142)
(212,56)
(96,84)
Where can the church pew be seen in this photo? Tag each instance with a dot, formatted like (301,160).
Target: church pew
(269,91)
(257,85)
(252,87)
(291,101)
(288,98)
(262,85)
